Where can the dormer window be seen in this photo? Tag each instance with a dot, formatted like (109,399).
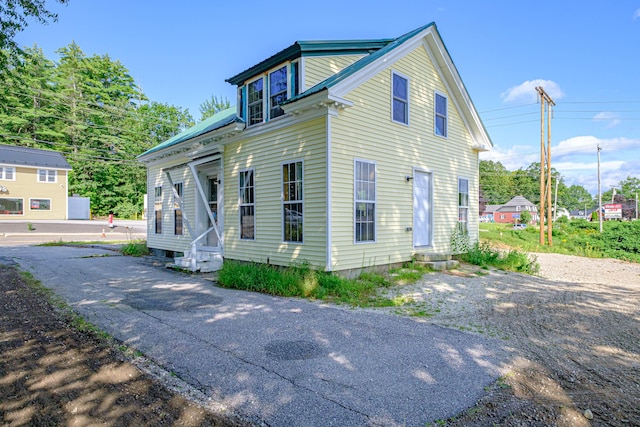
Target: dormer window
(255,95)
(278,91)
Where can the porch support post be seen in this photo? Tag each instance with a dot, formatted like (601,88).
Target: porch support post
(203,196)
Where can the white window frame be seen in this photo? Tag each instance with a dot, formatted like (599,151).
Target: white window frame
(39,198)
(436,115)
(262,101)
(271,94)
(48,173)
(176,208)
(357,199)
(300,201)
(3,173)
(13,198)
(157,207)
(464,225)
(242,203)
(394,98)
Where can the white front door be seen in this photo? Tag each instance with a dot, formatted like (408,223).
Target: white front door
(211,190)
(422,212)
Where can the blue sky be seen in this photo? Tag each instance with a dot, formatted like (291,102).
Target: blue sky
(586,54)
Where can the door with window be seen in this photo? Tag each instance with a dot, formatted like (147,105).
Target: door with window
(422,209)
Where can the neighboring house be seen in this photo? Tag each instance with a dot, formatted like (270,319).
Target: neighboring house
(33,184)
(510,212)
(489,211)
(343,154)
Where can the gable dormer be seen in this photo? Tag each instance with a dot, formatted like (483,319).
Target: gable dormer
(265,86)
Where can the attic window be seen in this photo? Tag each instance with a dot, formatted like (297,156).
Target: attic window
(440,115)
(278,91)
(400,99)
(255,95)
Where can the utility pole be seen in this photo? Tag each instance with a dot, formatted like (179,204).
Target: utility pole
(545,166)
(599,191)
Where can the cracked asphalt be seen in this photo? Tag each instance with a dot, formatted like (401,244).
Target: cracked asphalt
(272,361)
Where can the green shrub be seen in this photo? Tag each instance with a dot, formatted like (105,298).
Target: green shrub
(484,256)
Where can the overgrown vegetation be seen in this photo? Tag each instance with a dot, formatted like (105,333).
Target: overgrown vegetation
(483,255)
(301,280)
(135,248)
(619,239)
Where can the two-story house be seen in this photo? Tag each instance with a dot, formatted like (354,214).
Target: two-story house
(33,184)
(345,154)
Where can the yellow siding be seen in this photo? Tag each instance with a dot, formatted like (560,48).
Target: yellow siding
(167,239)
(27,188)
(319,68)
(266,153)
(397,149)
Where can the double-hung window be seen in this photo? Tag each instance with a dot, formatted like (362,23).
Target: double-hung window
(400,99)
(463,205)
(158,210)
(292,201)
(7,173)
(177,212)
(255,95)
(365,201)
(440,124)
(46,175)
(277,91)
(247,203)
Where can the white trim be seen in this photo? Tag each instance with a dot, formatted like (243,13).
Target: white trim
(424,171)
(46,181)
(282,202)
(253,173)
(40,198)
(374,201)
(3,174)
(459,206)
(328,266)
(303,74)
(13,215)
(408,100)
(437,93)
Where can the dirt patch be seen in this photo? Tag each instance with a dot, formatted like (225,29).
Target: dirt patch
(50,374)
(574,331)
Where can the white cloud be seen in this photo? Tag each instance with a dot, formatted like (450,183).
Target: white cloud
(636,15)
(581,145)
(518,156)
(526,92)
(612,118)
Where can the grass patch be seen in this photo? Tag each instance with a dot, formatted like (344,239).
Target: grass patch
(301,280)
(484,255)
(136,248)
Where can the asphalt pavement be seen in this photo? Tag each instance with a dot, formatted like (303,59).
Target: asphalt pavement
(272,361)
(23,232)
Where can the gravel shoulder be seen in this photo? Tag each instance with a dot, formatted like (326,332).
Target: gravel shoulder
(574,328)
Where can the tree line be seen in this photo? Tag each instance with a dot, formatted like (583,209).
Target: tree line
(91,110)
(499,185)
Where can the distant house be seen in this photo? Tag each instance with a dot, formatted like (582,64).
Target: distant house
(33,184)
(510,212)
(489,211)
(345,154)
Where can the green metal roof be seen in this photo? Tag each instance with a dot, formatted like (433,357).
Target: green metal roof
(358,65)
(310,48)
(214,122)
